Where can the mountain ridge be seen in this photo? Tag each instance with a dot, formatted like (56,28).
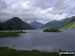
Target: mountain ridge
(57,24)
(36,24)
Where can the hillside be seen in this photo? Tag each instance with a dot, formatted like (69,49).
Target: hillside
(70,25)
(56,24)
(62,24)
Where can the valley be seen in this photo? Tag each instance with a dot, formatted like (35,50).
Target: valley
(36,37)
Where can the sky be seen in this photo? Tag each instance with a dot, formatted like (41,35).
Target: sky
(37,10)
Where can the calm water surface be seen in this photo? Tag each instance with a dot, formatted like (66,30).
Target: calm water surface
(43,41)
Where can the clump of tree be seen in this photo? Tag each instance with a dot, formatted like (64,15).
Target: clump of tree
(51,30)
(4,26)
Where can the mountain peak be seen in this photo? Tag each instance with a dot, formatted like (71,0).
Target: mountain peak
(18,23)
(16,19)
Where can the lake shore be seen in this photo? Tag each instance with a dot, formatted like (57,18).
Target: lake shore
(9,34)
(4,51)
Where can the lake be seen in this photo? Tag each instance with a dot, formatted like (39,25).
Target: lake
(43,41)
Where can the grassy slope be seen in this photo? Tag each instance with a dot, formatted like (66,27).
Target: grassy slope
(8,34)
(68,26)
(4,51)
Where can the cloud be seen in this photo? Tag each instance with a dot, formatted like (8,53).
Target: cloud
(37,10)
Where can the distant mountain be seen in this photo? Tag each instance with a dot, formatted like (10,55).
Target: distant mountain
(56,24)
(36,25)
(17,23)
(70,25)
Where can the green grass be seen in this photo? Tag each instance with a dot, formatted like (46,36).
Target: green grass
(8,34)
(67,25)
(4,51)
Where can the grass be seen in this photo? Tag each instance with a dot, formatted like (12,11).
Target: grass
(4,51)
(67,25)
(8,34)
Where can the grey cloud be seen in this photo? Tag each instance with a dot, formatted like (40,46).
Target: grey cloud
(40,3)
(39,10)
(2,4)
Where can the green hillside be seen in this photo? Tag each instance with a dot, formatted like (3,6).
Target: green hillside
(70,25)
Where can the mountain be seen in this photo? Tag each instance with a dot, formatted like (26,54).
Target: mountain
(57,24)
(70,25)
(17,23)
(36,25)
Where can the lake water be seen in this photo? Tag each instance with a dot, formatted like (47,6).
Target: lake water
(43,41)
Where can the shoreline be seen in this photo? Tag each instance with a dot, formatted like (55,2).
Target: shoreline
(9,34)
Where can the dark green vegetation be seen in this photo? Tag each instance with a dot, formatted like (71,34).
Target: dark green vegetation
(14,24)
(4,26)
(70,25)
(8,34)
(51,30)
(4,51)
